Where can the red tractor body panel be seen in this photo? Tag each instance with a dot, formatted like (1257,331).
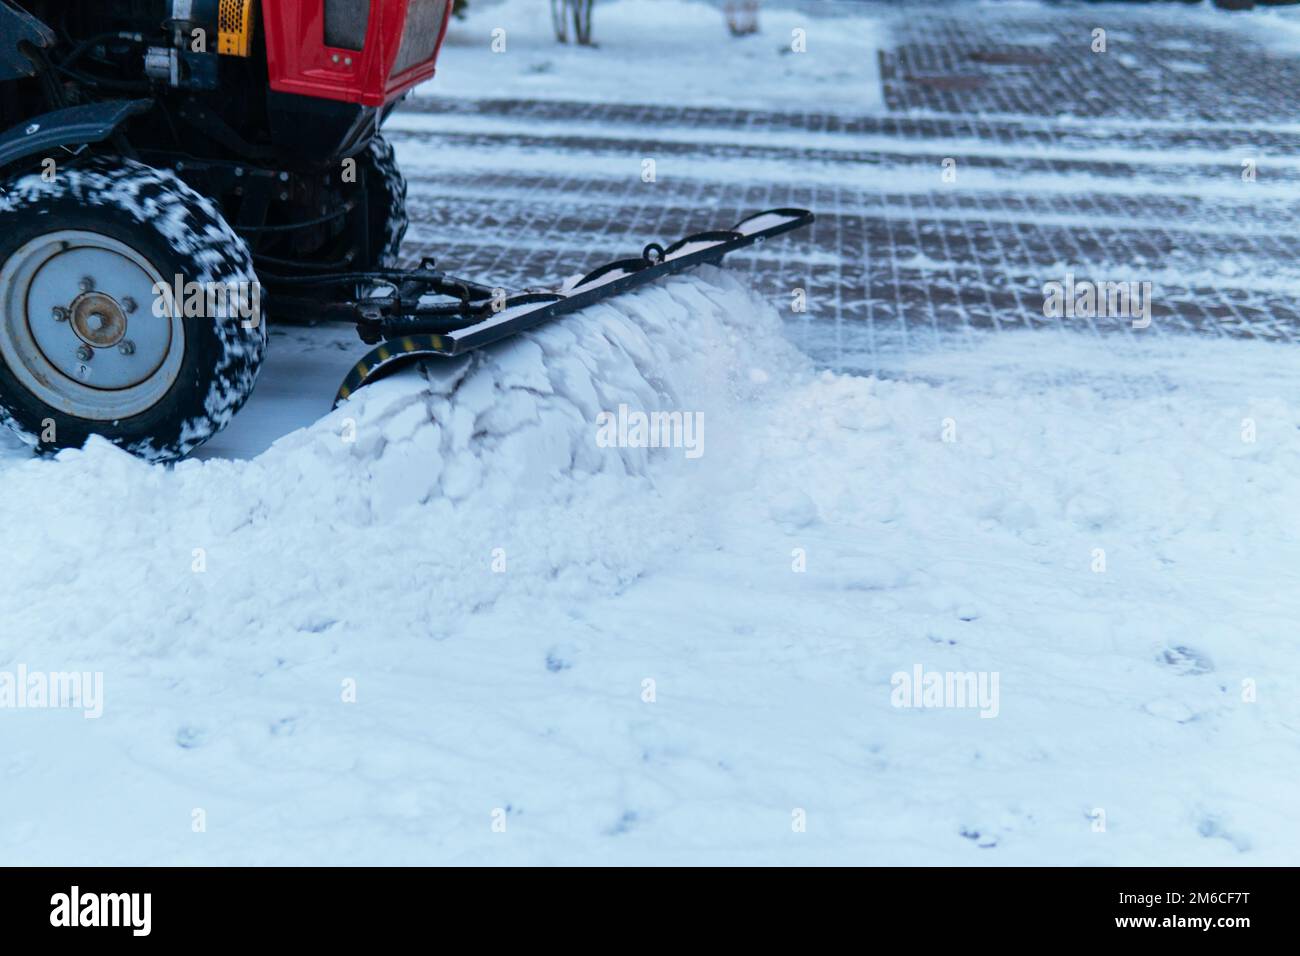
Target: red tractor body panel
(401,43)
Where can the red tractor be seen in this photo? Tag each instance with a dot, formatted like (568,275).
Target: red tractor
(175,171)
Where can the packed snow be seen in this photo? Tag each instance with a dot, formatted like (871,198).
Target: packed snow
(444,624)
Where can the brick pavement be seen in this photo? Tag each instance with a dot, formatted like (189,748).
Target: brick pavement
(1119,166)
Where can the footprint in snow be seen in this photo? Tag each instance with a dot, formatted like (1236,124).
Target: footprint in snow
(1211,829)
(624,825)
(983,841)
(187,738)
(1186,661)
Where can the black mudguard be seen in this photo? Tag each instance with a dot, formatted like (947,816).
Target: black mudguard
(70,128)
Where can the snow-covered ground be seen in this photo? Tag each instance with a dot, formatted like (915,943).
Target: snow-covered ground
(615,652)
(446,624)
(667,51)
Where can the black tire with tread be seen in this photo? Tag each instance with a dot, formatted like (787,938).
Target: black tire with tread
(386,199)
(181,233)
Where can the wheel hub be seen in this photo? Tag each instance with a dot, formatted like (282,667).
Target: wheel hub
(74,329)
(98,320)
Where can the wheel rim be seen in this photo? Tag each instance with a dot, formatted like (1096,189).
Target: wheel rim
(80,326)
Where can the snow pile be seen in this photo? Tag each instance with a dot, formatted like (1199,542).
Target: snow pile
(509,416)
(445,625)
(433,472)
(662,51)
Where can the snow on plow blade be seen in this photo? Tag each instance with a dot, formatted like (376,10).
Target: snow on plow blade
(482,316)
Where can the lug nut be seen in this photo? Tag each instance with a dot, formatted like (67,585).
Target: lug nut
(127,347)
(129,305)
(87,284)
(60,314)
(85,354)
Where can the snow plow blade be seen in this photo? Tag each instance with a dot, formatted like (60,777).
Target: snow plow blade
(410,327)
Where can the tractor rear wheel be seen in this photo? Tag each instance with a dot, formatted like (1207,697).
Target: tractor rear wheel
(129,309)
